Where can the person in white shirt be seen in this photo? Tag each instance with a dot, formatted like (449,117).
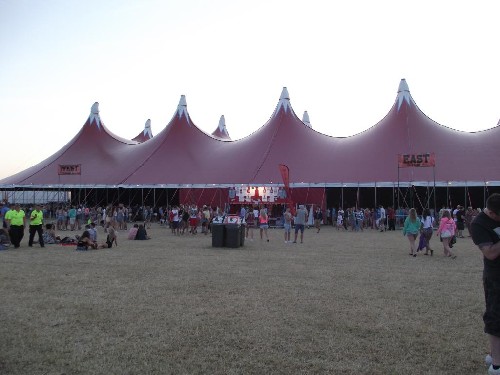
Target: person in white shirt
(381,220)
(427,228)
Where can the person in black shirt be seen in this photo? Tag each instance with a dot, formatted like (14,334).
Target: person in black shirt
(486,235)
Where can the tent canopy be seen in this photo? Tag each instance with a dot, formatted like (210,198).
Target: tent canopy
(183,156)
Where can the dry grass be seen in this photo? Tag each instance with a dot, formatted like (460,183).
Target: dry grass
(341,303)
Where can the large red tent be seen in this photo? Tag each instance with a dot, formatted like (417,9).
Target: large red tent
(183,157)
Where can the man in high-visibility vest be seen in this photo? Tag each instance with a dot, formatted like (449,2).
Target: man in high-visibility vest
(36,225)
(16,221)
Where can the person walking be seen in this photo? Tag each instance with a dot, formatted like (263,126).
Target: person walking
(427,228)
(486,236)
(300,221)
(411,229)
(318,218)
(16,222)
(446,230)
(36,226)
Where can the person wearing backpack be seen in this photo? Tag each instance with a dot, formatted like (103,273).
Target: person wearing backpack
(447,229)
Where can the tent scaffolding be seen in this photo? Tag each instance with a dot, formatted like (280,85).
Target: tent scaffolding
(418,194)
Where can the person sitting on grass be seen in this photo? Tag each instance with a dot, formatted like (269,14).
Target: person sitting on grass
(141,233)
(93,232)
(84,242)
(133,232)
(110,239)
(49,234)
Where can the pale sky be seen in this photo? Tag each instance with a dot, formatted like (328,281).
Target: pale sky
(341,61)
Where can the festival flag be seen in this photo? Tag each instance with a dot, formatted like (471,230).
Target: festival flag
(285,174)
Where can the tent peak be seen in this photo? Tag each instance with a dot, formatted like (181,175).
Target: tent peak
(222,124)
(403,86)
(147,128)
(221,131)
(182,107)
(403,93)
(305,119)
(94,115)
(284,94)
(284,101)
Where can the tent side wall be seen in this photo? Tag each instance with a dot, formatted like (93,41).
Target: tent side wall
(212,197)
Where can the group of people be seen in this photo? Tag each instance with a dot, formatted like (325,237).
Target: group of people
(451,224)
(258,218)
(14,222)
(358,219)
(187,218)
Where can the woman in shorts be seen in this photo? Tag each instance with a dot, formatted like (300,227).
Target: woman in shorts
(446,230)
(264,223)
(411,229)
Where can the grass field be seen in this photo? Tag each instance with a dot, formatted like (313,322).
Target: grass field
(341,303)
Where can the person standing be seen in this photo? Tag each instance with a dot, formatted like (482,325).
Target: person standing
(174,221)
(205,219)
(318,217)
(264,223)
(381,222)
(340,218)
(249,224)
(460,221)
(469,216)
(243,214)
(446,230)
(287,224)
(300,221)
(5,208)
(36,226)
(16,222)
(391,218)
(485,230)
(410,229)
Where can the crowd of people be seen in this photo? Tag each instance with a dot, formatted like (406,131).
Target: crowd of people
(192,219)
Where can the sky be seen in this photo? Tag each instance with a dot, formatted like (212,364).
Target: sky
(341,61)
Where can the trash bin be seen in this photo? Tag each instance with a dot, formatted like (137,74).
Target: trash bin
(242,234)
(218,235)
(232,237)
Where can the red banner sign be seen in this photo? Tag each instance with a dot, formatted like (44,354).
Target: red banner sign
(417,160)
(64,169)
